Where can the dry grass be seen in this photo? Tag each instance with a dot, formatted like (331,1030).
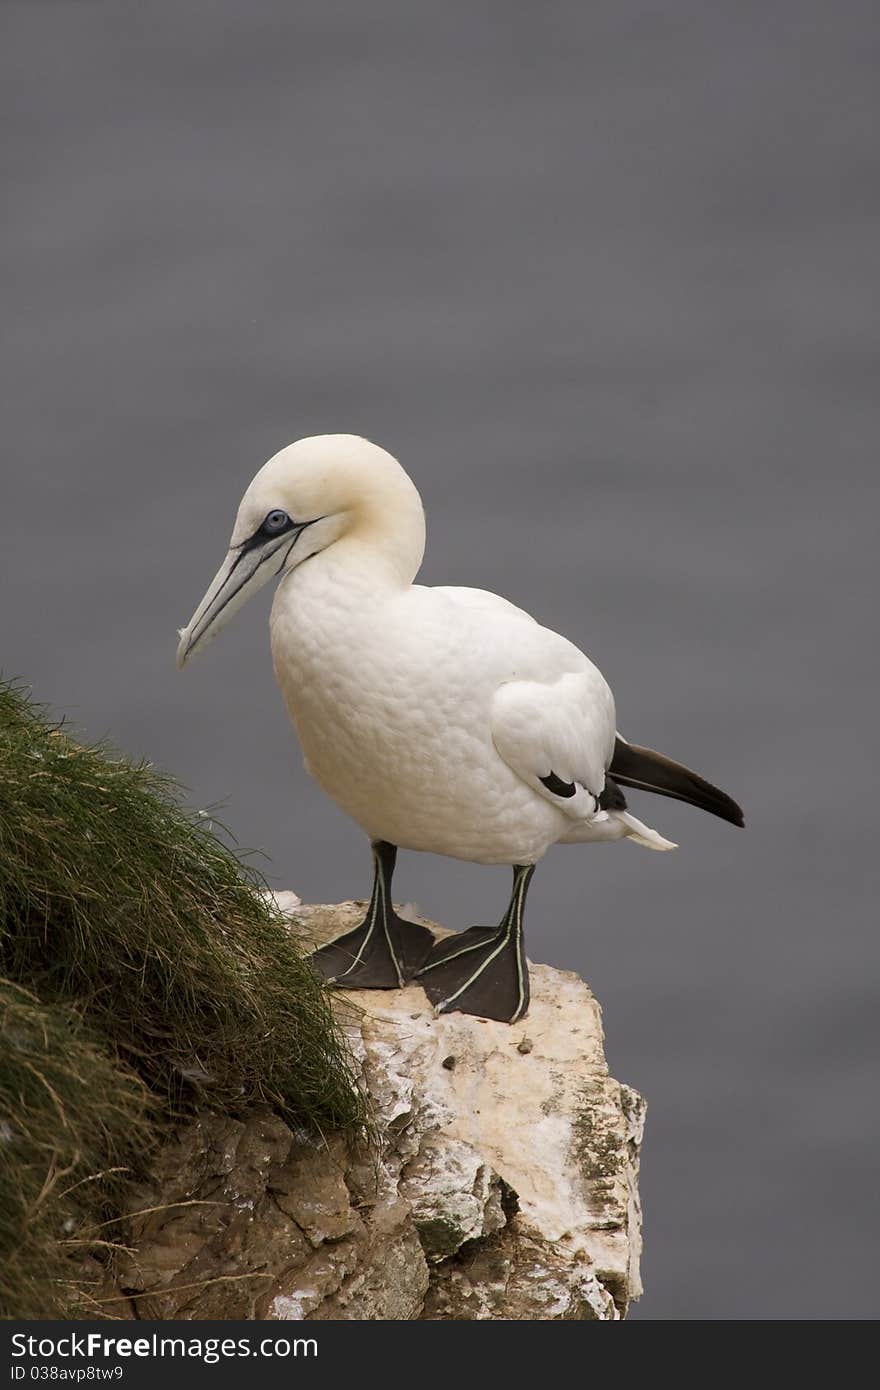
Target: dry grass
(73,1124)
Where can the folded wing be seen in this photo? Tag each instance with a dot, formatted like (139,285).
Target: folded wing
(558,737)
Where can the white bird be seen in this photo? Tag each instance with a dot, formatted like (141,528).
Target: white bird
(440,719)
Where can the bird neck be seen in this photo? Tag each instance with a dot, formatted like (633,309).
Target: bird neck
(385,532)
(377,554)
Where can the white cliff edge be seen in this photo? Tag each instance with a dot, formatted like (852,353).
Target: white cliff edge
(505,1183)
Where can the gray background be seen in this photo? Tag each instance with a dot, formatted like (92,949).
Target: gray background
(601,275)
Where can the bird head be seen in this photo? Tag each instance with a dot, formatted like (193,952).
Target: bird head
(305,499)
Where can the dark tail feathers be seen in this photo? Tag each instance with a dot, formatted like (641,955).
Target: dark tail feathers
(652,772)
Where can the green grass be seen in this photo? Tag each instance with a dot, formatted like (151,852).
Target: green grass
(144,974)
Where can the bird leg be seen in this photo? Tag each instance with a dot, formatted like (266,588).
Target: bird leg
(384,951)
(483,970)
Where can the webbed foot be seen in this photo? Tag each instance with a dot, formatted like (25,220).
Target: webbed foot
(376,955)
(385,951)
(483,970)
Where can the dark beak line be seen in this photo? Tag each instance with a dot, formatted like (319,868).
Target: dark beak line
(270,548)
(245,561)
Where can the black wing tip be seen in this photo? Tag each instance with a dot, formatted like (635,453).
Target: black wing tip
(648,771)
(722,806)
(718,803)
(733,815)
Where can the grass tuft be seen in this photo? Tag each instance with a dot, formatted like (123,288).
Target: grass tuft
(131,933)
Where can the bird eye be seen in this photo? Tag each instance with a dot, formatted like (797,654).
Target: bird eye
(275,522)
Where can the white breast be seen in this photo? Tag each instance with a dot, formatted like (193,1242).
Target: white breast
(392,692)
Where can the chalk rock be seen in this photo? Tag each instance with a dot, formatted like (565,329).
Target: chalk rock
(505,1183)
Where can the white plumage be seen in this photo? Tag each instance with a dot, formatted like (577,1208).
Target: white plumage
(440,719)
(429,717)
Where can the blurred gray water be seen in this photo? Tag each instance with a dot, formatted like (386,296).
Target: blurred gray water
(604,278)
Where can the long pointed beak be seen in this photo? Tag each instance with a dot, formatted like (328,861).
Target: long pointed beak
(245,570)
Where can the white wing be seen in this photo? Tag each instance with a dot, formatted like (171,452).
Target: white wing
(551,716)
(558,736)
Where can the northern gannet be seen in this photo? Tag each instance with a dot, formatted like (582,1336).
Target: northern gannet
(440,719)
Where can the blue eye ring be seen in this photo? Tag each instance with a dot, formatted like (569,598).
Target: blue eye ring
(276,521)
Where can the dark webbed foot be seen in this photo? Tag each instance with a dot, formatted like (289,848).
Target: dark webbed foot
(381,955)
(483,971)
(479,971)
(385,950)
